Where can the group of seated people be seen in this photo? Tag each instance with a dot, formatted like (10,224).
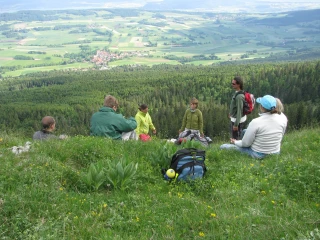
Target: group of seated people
(262,137)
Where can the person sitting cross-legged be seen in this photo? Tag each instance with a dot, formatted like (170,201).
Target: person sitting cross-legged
(264,134)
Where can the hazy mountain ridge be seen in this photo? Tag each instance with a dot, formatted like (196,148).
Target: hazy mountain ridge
(205,5)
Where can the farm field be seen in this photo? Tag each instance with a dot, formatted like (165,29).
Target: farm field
(48,40)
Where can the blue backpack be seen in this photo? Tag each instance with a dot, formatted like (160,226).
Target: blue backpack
(188,164)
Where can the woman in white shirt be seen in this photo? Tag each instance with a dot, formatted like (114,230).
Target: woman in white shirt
(264,134)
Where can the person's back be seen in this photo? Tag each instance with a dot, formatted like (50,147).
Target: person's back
(48,126)
(107,123)
(265,133)
(43,135)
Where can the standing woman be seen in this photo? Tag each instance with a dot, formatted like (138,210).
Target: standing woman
(192,119)
(144,123)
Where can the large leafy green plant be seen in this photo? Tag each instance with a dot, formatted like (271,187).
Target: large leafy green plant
(120,174)
(95,177)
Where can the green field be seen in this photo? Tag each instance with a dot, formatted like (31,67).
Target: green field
(231,37)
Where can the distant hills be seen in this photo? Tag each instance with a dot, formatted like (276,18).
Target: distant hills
(163,5)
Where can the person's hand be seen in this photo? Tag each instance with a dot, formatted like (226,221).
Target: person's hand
(232,140)
(235,128)
(154,131)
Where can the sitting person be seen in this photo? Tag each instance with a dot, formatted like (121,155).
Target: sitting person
(192,125)
(264,134)
(144,123)
(192,120)
(48,126)
(107,123)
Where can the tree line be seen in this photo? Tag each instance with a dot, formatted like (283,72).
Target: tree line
(72,97)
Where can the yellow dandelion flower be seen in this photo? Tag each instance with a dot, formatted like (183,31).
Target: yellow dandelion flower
(105,205)
(61,189)
(201,234)
(213,215)
(251,164)
(209,207)
(137,219)
(263,192)
(180,195)
(1,139)
(274,202)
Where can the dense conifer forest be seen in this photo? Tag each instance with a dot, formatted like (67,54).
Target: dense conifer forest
(72,97)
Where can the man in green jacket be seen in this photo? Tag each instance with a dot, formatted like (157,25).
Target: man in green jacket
(236,109)
(107,123)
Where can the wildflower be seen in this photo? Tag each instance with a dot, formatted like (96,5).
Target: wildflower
(263,192)
(137,219)
(251,164)
(317,204)
(201,234)
(61,188)
(273,202)
(76,217)
(213,215)
(209,207)
(1,139)
(105,205)
(180,195)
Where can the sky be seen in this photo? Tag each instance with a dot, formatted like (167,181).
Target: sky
(203,5)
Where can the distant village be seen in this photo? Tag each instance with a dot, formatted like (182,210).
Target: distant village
(103,57)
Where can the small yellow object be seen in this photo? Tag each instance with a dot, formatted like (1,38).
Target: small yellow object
(171,173)
(176,176)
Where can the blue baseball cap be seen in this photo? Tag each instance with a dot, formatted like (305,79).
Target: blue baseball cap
(268,102)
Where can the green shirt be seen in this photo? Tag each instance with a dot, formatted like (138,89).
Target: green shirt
(236,107)
(192,120)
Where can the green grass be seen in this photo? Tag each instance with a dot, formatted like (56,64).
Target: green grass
(43,194)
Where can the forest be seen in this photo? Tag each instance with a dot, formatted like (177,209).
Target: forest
(72,97)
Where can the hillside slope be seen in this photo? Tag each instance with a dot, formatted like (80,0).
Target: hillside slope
(55,191)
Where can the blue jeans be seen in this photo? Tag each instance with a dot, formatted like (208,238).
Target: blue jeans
(246,150)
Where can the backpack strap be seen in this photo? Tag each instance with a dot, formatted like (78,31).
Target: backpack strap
(183,153)
(191,164)
(239,92)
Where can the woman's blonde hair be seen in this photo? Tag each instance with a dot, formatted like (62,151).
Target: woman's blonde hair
(279,106)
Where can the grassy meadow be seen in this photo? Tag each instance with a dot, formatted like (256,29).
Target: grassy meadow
(227,35)
(96,188)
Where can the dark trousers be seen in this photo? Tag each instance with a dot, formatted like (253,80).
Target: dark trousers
(236,134)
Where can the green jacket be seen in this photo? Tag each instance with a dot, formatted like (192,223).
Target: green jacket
(107,123)
(192,120)
(236,107)
(144,123)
